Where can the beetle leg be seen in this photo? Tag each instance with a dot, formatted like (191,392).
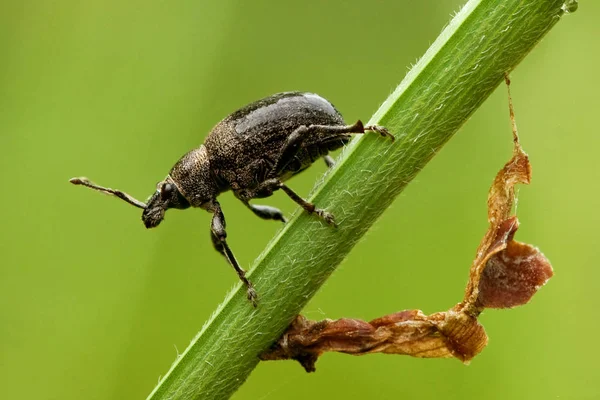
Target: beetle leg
(308,207)
(299,135)
(264,190)
(266,212)
(329,161)
(218,236)
(271,185)
(290,149)
(381,130)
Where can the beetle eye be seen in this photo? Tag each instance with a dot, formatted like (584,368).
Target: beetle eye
(166,190)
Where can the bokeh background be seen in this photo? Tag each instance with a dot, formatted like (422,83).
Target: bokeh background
(94,306)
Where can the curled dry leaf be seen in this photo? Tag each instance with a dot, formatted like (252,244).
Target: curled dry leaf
(505,273)
(410,332)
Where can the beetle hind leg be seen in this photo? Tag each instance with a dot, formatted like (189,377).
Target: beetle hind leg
(381,130)
(329,133)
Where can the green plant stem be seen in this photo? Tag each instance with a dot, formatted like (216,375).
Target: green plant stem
(459,71)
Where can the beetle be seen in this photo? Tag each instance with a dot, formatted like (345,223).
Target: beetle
(252,152)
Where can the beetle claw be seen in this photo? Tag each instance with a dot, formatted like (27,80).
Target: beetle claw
(381,130)
(252,296)
(326,216)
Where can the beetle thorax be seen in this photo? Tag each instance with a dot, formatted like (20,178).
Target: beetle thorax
(194,179)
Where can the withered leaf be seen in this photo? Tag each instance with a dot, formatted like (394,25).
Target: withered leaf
(410,333)
(505,273)
(512,276)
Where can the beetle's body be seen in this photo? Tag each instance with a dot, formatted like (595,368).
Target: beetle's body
(261,129)
(251,152)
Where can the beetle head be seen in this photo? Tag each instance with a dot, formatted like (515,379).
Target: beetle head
(190,183)
(167,196)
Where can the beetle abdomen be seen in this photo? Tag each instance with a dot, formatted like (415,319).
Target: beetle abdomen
(287,110)
(250,140)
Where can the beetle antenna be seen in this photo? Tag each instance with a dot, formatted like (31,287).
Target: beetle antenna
(122,195)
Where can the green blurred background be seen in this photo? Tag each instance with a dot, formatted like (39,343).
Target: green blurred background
(94,306)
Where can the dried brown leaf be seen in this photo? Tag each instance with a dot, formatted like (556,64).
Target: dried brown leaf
(512,276)
(441,335)
(505,273)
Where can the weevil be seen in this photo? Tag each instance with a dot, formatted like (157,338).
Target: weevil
(252,152)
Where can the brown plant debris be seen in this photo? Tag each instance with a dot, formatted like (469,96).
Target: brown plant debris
(504,274)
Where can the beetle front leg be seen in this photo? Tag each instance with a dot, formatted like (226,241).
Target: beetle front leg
(218,236)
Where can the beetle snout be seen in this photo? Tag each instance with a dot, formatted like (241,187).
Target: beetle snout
(152,217)
(154,212)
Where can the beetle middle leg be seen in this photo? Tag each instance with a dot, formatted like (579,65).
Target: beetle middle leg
(218,236)
(329,161)
(307,206)
(267,187)
(262,211)
(265,212)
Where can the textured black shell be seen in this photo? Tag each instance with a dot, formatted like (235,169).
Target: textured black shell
(243,147)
